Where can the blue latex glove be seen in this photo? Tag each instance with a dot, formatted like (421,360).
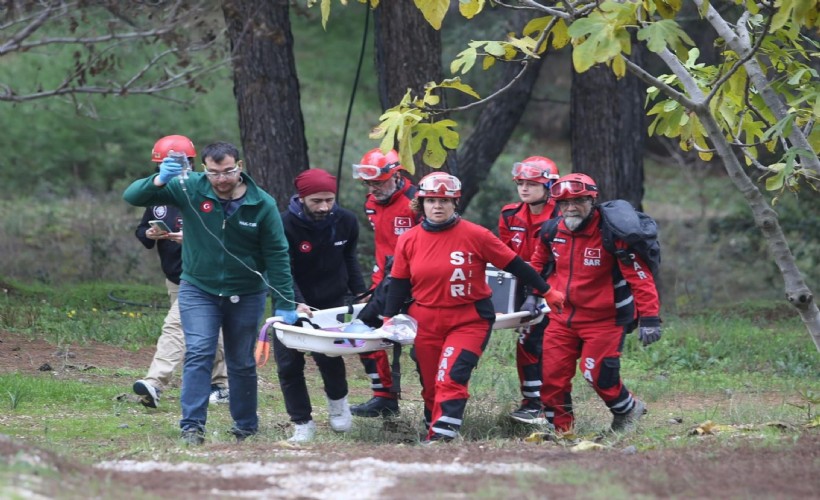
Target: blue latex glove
(649,329)
(168,169)
(530,305)
(288,317)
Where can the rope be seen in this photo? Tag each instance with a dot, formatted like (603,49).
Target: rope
(350,104)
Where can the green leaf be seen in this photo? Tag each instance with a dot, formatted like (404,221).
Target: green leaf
(775,182)
(437,138)
(455,83)
(464,61)
(663,33)
(470,8)
(433,11)
(494,49)
(535,26)
(325,9)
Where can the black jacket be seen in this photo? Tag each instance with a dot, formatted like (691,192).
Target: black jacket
(170,253)
(323,255)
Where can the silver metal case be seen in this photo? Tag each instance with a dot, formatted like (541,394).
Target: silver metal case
(503,285)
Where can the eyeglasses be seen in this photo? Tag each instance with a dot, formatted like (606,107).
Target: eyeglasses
(530,171)
(572,187)
(227,173)
(562,204)
(372,172)
(440,184)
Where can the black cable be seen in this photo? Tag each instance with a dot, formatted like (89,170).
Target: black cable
(350,105)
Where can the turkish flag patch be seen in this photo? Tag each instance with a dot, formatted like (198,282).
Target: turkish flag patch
(402,222)
(305,247)
(592,253)
(206,206)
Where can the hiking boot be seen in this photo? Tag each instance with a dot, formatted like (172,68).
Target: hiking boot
(304,432)
(339,411)
(192,436)
(150,394)
(241,434)
(219,395)
(532,414)
(378,406)
(627,422)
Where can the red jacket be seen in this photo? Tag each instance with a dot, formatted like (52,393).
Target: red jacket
(389,220)
(446,268)
(519,228)
(597,286)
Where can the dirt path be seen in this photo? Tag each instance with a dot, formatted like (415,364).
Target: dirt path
(510,469)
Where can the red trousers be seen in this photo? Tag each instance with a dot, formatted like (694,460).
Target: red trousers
(599,349)
(448,345)
(377,367)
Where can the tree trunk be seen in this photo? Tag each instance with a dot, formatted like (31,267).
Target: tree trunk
(608,130)
(408,55)
(267,93)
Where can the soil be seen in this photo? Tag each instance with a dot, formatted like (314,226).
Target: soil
(714,468)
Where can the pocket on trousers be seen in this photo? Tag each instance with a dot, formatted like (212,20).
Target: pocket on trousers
(610,373)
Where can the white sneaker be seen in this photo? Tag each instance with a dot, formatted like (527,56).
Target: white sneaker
(302,433)
(219,395)
(340,418)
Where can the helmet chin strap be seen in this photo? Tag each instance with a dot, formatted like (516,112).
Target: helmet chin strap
(536,203)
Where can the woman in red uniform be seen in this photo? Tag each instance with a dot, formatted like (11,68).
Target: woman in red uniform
(442,263)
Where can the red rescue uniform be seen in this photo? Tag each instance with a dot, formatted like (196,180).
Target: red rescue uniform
(519,229)
(389,220)
(591,325)
(446,270)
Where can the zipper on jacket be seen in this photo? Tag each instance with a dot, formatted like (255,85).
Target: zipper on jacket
(569,279)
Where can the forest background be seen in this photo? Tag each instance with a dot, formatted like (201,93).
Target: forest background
(68,160)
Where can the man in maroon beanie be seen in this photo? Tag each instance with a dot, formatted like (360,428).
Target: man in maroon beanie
(322,237)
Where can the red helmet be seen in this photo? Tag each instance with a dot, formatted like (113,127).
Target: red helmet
(574,186)
(377,166)
(536,169)
(439,185)
(177,143)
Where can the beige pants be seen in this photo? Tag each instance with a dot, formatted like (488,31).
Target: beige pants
(171,348)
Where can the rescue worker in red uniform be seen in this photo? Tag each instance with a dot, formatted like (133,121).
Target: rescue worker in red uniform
(388,209)
(442,264)
(603,294)
(518,227)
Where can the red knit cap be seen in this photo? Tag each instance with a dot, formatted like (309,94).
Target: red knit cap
(314,181)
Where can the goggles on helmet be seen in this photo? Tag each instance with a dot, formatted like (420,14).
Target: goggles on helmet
(523,170)
(372,172)
(446,185)
(565,189)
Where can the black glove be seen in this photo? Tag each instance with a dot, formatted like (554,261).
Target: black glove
(531,306)
(649,329)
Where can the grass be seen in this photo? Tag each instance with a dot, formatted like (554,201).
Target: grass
(712,366)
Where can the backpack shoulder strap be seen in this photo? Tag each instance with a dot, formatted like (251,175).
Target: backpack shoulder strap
(549,229)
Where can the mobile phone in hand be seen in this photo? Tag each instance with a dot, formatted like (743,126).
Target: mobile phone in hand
(159,226)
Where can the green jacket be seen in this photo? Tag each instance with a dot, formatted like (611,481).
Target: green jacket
(219,262)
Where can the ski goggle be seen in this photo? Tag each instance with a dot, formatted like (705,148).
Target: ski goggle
(531,172)
(572,188)
(447,185)
(372,172)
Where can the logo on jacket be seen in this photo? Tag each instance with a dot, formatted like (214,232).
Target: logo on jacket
(517,239)
(305,247)
(592,256)
(401,224)
(160,211)
(206,206)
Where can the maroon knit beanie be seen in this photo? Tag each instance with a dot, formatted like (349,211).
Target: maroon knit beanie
(314,181)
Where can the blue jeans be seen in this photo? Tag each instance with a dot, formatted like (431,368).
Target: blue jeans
(202,316)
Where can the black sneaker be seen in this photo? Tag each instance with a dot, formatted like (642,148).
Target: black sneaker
(150,394)
(530,414)
(192,436)
(378,406)
(628,422)
(241,434)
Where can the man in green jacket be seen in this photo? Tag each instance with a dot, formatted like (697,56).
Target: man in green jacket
(235,252)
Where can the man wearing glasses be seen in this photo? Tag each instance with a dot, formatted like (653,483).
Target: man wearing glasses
(235,252)
(518,227)
(388,210)
(603,293)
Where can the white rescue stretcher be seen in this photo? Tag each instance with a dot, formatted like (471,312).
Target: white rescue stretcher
(331,340)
